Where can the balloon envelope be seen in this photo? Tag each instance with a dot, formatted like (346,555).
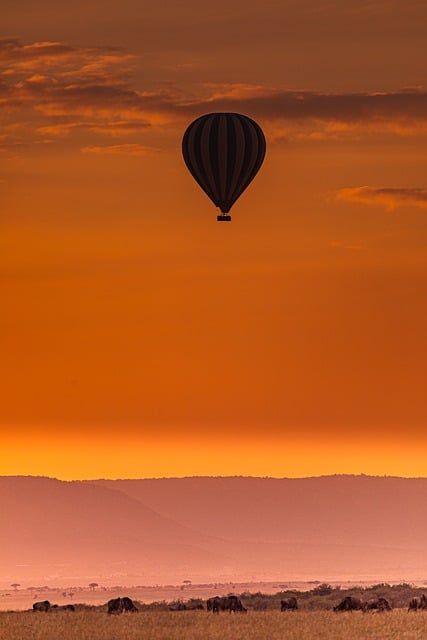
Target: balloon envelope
(223,152)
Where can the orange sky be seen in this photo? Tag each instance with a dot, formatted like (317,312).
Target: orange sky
(140,337)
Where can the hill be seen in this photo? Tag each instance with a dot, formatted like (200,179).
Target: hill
(71,531)
(209,529)
(331,526)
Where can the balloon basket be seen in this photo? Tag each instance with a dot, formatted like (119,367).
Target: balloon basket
(223,218)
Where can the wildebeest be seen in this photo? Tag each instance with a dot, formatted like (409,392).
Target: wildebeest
(120,605)
(289,604)
(418,603)
(44,605)
(377,604)
(225,603)
(349,603)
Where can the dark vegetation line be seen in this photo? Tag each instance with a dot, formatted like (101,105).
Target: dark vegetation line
(321,597)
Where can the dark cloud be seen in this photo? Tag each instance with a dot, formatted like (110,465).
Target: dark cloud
(13,52)
(315,115)
(45,83)
(52,89)
(303,105)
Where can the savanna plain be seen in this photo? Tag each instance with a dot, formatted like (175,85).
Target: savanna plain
(199,625)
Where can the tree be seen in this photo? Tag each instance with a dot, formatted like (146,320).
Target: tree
(15,585)
(93,585)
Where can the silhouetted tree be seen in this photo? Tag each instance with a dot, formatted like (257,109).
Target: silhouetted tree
(15,585)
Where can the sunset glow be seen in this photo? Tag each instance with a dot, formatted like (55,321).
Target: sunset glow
(82,458)
(142,339)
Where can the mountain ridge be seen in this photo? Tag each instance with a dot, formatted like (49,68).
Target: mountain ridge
(212,528)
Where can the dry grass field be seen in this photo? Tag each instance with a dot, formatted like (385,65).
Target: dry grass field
(201,625)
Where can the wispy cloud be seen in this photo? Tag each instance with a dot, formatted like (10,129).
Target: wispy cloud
(50,89)
(55,90)
(120,149)
(390,198)
(340,107)
(309,115)
(113,128)
(57,57)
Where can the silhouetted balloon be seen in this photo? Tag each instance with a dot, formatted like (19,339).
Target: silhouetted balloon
(223,152)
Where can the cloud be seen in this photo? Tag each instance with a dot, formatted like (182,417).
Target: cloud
(57,57)
(55,90)
(309,115)
(114,128)
(390,198)
(239,92)
(13,50)
(59,91)
(120,149)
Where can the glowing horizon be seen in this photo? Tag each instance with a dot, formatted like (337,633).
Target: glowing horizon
(149,458)
(133,322)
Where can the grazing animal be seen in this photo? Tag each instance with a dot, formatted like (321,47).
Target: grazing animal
(128,605)
(225,603)
(416,604)
(42,606)
(377,604)
(209,603)
(120,605)
(349,603)
(114,605)
(289,604)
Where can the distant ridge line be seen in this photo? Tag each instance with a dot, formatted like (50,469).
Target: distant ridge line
(219,477)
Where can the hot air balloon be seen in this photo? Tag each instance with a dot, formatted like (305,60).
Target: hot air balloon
(223,152)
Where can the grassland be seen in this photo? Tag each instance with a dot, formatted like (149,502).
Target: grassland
(201,625)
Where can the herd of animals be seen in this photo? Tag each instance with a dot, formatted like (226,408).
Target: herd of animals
(233,604)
